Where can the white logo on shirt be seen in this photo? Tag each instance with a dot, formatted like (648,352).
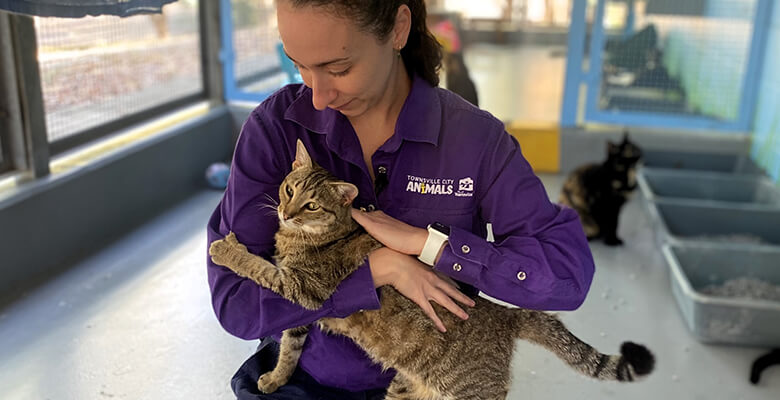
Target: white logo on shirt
(466,185)
(439,186)
(435,186)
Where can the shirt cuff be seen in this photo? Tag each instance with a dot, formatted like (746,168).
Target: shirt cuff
(460,260)
(356,293)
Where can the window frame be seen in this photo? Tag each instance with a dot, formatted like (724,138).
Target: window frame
(24,144)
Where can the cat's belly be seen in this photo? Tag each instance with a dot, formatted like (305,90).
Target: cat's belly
(399,335)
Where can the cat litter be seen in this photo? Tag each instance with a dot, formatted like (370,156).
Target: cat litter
(747,288)
(734,227)
(727,294)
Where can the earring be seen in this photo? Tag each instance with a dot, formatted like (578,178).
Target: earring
(398,53)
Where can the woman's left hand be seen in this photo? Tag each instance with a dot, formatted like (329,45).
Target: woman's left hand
(395,234)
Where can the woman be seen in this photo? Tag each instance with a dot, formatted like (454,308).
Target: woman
(369,112)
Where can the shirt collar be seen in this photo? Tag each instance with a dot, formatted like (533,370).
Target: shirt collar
(419,120)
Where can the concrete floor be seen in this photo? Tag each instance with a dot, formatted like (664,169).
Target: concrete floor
(518,82)
(134,322)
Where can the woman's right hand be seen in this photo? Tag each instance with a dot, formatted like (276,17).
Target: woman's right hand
(418,282)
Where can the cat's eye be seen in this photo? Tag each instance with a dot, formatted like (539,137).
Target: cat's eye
(312,206)
(288,190)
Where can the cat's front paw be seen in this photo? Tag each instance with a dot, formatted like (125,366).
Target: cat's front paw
(268,383)
(613,241)
(224,251)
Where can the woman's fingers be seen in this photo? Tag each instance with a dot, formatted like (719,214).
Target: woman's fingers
(429,311)
(418,283)
(446,301)
(453,292)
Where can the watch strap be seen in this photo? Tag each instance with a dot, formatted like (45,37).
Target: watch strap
(433,245)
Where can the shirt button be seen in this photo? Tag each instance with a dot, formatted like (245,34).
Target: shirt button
(382,169)
(465,249)
(371,207)
(521,275)
(457,267)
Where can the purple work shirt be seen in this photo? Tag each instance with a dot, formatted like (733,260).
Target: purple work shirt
(447,162)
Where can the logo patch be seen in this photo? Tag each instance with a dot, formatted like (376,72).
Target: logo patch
(439,186)
(465,187)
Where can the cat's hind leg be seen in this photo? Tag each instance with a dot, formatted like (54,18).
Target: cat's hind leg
(289,352)
(590,227)
(404,388)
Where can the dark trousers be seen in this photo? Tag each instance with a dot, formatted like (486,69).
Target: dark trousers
(300,387)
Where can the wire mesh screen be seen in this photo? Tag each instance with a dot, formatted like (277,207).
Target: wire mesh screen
(95,70)
(685,58)
(254,39)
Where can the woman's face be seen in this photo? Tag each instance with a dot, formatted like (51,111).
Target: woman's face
(348,70)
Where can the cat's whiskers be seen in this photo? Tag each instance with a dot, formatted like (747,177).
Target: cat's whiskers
(272,205)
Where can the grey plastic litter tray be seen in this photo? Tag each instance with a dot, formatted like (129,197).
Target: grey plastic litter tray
(693,161)
(695,269)
(676,222)
(683,185)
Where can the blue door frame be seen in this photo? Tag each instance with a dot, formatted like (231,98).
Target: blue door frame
(576,76)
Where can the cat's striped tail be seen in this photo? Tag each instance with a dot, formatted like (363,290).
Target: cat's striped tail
(634,361)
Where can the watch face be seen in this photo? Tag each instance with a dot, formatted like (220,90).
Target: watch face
(441,228)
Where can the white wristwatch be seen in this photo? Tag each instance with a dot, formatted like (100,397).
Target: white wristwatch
(438,234)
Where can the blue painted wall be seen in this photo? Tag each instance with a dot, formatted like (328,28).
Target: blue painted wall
(766,125)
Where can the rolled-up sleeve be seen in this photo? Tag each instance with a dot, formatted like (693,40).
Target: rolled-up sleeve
(246,310)
(540,258)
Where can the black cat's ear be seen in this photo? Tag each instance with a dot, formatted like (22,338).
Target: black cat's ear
(347,191)
(625,136)
(302,158)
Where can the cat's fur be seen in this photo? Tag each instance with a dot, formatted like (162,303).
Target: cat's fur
(318,244)
(598,191)
(762,363)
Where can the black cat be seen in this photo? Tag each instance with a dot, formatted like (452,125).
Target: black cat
(762,363)
(458,79)
(598,191)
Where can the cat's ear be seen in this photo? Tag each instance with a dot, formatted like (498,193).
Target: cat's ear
(347,191)
(302,158)
(625,136)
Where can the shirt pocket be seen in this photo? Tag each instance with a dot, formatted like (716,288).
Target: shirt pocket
(418,216)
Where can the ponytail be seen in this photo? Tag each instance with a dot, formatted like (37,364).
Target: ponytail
(422,53)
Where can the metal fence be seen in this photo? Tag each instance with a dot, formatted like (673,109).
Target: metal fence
(669,63)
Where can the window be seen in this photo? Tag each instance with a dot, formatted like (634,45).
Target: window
(99,74)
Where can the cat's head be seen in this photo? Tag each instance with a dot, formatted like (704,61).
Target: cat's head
(313,200)
(623,154)
(622,159)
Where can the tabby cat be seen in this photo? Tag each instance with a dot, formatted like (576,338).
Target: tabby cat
(598,191)
(319,244)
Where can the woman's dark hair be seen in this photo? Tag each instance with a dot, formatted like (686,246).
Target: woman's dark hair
(422,53)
